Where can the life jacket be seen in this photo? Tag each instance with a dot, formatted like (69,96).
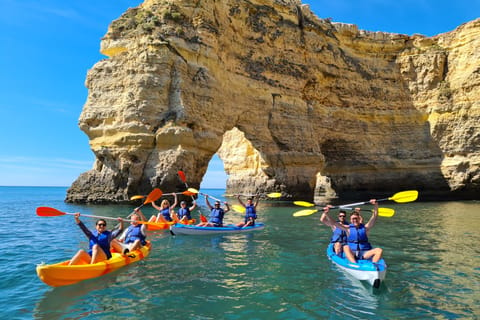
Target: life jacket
(357,239)
(166,213)
(182,212)
(339,235)
(250,213)
(135,233)
(216,216)
(103,240)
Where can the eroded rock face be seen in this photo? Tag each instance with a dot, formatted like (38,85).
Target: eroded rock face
(290,102)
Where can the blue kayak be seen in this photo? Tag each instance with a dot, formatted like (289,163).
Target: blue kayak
(196,230)
(364,270)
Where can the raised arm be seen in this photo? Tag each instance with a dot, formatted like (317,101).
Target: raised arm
(194,205)
(240,201)
(327,220)
(174,202)
(228,207)
(155,206)
(208,202)
(374,216)
(85,230)
(257,199)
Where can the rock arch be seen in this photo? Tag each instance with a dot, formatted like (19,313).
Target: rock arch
(315,106)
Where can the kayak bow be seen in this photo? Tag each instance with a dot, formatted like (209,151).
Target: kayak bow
(364,270)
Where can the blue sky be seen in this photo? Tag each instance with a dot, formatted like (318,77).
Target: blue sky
(48,46)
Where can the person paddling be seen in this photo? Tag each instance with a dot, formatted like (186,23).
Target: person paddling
(185,212)
(216,214)
(165,210)
(250,211)
(358,246)
(99,242)
(339,236)
(134,237)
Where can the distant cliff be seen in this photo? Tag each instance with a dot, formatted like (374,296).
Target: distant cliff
(289,101)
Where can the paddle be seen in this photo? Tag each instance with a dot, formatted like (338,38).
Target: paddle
(382,212)
(400,197)
(183,177)
(238,208)
(52,212)
(137,197)
(204,194)
(270,195)
(185,193)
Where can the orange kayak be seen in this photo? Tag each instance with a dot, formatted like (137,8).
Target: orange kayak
(61,274)
(153,226)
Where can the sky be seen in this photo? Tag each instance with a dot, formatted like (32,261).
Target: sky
(48,46)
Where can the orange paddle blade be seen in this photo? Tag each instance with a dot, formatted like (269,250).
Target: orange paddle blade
(49,212)
(182,176)
(153,196)
(202,218)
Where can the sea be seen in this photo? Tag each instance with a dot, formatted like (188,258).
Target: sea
(282,272)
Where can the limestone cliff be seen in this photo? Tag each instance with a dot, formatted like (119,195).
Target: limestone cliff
(289,101)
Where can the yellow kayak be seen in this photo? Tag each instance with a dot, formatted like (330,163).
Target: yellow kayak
(61,274)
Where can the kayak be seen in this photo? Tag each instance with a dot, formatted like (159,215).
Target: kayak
(196,230)
(155,226)
(61,274)
(364,270)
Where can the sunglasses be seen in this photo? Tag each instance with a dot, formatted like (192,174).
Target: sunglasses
(341,216)
(101,225)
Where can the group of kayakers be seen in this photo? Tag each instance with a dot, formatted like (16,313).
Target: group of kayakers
(348,238)
(352,238)
(134,237)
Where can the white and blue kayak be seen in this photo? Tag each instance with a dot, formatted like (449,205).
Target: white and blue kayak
(197,230)
(364,270)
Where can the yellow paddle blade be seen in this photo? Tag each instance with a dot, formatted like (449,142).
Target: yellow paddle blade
(274,195)
(305,212)
(136,197)
(238,208)
(193,190)
(386,212)
(303,204)
(405,196)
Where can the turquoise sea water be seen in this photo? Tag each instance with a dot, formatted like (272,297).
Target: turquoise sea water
(281,272)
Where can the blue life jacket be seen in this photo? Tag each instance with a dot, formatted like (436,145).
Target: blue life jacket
(182,212)
(250,213)
(135,233)
(166,213)
(103,240)
(216,216)
(339,235)
(357,239)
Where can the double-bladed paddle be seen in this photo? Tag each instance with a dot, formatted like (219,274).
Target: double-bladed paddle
(399,197)
(382,212)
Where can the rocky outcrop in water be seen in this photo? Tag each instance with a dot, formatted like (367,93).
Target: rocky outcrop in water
(289,101)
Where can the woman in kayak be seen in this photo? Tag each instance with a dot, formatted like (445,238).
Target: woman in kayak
(216,214)
(358,246)
(339,236)
(99,242)
(165,210)
(250,212)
